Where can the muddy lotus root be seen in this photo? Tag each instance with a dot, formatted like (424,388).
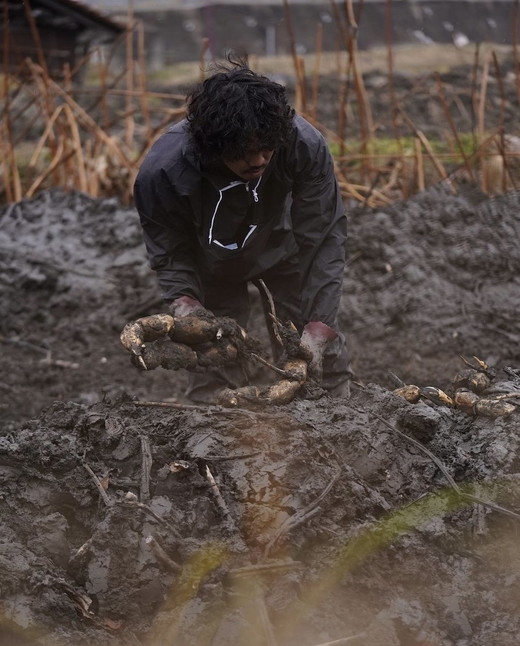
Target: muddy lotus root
(166,354)
(220,353)
(149,328)
(468,386)
(193,330)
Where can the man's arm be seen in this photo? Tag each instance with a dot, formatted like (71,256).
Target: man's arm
(320,226)
(169,236)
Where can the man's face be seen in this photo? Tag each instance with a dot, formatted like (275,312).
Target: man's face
(252,165)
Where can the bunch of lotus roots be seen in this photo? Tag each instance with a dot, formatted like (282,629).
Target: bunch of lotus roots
(197,343)
(474,391)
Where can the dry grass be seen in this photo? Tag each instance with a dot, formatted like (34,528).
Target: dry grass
(94,137)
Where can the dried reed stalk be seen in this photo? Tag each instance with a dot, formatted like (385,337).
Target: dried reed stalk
(431,154)
(502,144)
(203,53)
(301,103)
(129,120)
(454,131)
(516,58)
(421,184)
(481,114)
(12,182)
(143,90)
(43,139)
(75,139)
(316,71)
(474,106)
(35,34)
(365,114)
(57,159)
(500,83)
(389,30)
(302,85)
(343,106)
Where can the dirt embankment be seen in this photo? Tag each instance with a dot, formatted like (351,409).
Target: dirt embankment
(370,518)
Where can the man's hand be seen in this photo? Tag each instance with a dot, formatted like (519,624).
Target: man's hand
(316,335)
(187,306)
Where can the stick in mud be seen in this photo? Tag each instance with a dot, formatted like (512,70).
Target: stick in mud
(269,365)
(300,517)
(161,555)
(133,502)
(260,568)
(146,467)
(216,491)
(214,410)
(344,640)
(106,499)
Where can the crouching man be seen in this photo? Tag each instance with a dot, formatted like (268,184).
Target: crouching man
(244,189)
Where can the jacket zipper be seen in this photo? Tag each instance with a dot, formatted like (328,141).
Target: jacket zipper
(221,191)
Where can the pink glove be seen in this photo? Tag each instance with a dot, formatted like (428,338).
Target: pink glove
(316,335)
(187,306)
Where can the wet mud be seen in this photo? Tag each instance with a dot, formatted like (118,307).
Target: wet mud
(368,520)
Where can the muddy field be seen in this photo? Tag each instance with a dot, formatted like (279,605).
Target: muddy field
(370,521)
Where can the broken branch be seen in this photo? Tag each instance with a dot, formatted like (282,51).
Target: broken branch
(105,497)
(146,466)
(161,555)
(216,491)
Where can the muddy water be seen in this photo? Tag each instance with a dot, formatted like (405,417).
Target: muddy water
(317,521)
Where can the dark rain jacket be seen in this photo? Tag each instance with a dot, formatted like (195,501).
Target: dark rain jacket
(200,223)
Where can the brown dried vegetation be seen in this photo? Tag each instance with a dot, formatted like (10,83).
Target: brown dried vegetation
(64,133)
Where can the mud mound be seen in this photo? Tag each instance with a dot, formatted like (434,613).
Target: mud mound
(370,521)
(318,521)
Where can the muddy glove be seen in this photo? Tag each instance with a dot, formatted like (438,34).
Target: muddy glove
(187,306)
(316,335)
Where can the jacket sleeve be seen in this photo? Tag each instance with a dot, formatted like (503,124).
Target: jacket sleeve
(319,227)
(169,234)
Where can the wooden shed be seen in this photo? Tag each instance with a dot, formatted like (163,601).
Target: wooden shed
(62,31)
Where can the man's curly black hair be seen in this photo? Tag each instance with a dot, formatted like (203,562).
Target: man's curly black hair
(236,108)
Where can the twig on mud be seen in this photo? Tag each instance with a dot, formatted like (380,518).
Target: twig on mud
(353,258)
(131,502)
(344,640)
(23,344)
(467,496)
(133,637)
(399,382)
(58,363)
(173,405)
(271,366)
(270,313)
(300,517)
(480,367)
(47,360)
(209,409)
(266,622)
(146,466)
(259,568)
(106,499)
(216,492)
(81,551)
(223,458)
(161,555)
